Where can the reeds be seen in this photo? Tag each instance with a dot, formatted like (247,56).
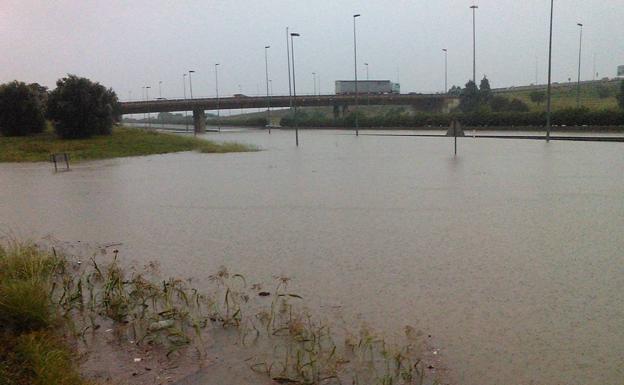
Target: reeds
(289,344)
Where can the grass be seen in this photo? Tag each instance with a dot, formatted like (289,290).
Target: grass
(564,96)
(32,350)
(123,142)
(63,299)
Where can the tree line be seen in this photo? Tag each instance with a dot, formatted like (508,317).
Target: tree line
(76,108)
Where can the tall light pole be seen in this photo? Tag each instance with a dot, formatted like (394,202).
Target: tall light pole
(357,123)
(474,44)
(318,79)
(314,81)
(290,101)
(191,82)
(294,86)
(367,86)
(149,120)
(143,97)
(185,112)
(445,70)
(266,68)
(162,123)
(217,93)
(549,88)
(271,86)
(578,83)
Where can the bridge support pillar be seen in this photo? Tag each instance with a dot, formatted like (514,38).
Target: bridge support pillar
(199,121)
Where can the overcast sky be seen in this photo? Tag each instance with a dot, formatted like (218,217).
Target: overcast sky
(128,44)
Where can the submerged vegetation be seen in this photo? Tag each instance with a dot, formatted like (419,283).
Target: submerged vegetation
(122,143)
(46,296)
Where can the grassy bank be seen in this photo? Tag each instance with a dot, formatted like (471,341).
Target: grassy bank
(594,96)
(32,347)
(123,142)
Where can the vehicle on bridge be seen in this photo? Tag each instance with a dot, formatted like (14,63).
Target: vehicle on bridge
(375,87)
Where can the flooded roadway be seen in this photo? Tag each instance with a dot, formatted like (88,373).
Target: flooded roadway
(510,254)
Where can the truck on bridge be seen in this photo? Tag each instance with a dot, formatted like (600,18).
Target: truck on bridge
(374,87)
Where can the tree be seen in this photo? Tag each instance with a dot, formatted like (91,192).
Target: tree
(21,111)
(537,97)
(469,98)
(603,91)
(80,108)
(517,105)
(499,103)
(620,96)
(485,91)
(455,91)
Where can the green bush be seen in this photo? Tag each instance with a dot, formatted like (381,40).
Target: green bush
(80,108)
(21,110)
(620,96)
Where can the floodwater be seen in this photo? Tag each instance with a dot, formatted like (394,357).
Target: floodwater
(509,255)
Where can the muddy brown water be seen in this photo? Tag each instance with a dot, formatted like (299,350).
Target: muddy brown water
(510,254)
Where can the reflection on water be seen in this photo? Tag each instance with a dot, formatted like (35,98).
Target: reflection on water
(509,255)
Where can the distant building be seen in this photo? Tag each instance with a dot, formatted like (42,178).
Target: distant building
(620,71)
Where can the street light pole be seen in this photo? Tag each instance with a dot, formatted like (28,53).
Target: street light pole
(357,123)
(578,84)
(191,89)
(474,44)
(290,101)
(217,92)
(185,112)
(191,83)
(162,122)
(314,81)
(445,70)
(294,86)
(266,67)
(367,86)
(149,120)
(549,88)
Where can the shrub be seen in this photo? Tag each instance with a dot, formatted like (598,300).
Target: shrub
(499,103)
(80,108)
(537,97)
(518,105)
(603,91)
(620,96)
(21,110)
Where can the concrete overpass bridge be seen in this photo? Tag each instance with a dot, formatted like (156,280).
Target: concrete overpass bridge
(422,102)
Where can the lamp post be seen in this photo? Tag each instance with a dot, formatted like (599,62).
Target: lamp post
(191,83)
(549,88)
(367,86)
(217,93)
(266,68)
(290,101)
(445,70)
(149,120)
(143,97)
(474,44)
(314,81)
(357,123)
(294,85)
(578,83)
(271,86)
(185,112)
